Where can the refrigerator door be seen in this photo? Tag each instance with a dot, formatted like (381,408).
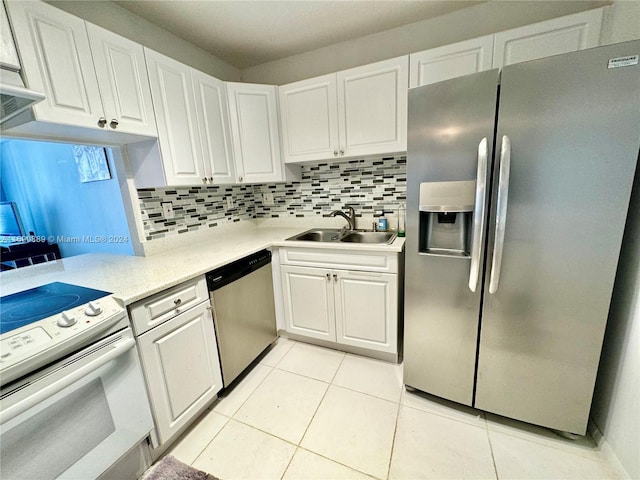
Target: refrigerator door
(447,124)
(574,130)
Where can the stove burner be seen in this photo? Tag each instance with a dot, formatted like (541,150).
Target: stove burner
(37,303)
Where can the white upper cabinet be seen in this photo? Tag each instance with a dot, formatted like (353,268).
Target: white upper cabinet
(8,53)
(123,82)
(552,37)
(91,78)
(178,134)
(309,112)
(450,61)
(56,60)
(213,124)
(253,113)
(372,108)
(361,111)
(193,125)
(209,131)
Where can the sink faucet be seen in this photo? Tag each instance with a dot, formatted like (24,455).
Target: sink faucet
(350,218)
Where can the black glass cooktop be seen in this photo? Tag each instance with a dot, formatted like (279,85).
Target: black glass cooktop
(29,306)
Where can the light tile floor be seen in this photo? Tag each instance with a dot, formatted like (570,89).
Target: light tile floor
(306,412)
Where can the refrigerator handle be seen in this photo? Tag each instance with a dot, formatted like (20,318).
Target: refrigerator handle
(478,214)
(501,213)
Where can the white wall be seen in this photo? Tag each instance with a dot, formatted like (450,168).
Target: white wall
(118,20)
(461,25)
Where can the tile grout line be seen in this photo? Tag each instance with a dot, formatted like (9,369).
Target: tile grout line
(284,472)
(393,439)
(320,402)
(443,416)
(250,393)
(209,442)
(293,343)
(312,416)
(339,463)
(298,446)
(493,458)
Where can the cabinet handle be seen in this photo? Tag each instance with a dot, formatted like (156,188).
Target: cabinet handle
(328,277)
(204,179)
(177,302)
(113,123)
(239,179)
(335,277)
(335,153)
(102,122)
(210,179)
(341,152)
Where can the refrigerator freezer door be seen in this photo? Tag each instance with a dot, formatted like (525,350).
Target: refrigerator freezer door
(574,126)
(447,123)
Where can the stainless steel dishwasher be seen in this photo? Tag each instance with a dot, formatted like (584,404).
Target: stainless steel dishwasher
(243,311)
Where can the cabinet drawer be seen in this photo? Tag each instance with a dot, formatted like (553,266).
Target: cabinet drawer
(342,259)
(162,306)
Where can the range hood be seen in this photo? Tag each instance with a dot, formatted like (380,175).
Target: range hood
(16,100)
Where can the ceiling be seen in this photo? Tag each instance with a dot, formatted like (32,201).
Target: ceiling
(246,33)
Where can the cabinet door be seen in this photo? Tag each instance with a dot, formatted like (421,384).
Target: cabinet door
(366,308)
(213,123)
(56,60)
(123,81)
(309,119)
(308,302)
(174,105)
(551,37)
(372,108)
(180,362)
(450,61)
(254,126)
(8,53)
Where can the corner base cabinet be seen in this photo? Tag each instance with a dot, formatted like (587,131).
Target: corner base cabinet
(350,299)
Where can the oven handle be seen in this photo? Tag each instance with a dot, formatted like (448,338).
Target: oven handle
(119,348)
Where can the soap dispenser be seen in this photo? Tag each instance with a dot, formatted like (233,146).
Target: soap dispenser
(383,225)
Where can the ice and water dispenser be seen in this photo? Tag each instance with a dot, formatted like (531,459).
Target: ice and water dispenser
(446,210)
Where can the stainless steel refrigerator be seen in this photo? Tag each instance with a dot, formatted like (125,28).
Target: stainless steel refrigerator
(518,187)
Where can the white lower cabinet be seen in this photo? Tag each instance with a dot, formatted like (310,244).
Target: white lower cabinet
(349,306)
(179,359)
(366,309)
(309,302)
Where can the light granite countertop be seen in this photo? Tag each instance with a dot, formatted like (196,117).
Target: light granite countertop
(132,278)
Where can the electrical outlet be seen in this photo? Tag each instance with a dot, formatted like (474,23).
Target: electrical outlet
(267,199)
(229,201)
(167,210)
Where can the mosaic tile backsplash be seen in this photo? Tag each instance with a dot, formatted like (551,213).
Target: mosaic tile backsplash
(366,184)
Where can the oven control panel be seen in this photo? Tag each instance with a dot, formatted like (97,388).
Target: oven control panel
(41,342)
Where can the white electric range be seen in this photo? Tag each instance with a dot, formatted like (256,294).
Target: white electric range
(43,324)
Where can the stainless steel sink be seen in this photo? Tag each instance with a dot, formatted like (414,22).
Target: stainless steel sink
(318,235)
(369,237)
(337,235)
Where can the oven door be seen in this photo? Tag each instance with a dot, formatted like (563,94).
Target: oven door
(77,417)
